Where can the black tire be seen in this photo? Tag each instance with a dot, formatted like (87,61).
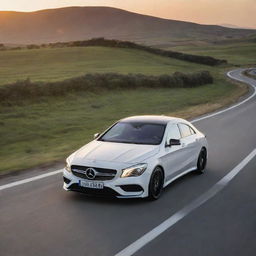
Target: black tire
(156,183)
(202,161)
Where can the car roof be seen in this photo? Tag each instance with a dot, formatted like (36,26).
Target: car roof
(153,119)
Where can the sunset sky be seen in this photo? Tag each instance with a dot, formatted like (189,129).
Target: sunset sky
(236,12)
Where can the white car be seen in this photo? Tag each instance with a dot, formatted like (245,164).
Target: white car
(136,157)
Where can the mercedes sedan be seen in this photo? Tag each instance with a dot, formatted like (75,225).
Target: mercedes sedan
(136,157)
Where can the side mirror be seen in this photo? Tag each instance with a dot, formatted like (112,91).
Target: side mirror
(174,142)
(96,135)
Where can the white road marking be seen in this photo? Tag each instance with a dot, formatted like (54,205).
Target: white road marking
(38,177)
(151,235)
(17,183)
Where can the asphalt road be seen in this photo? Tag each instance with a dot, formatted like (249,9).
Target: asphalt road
(39,218)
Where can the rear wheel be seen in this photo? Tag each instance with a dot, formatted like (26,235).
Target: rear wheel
(201,162)
(156,184)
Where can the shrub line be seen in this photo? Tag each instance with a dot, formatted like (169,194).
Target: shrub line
(25,90)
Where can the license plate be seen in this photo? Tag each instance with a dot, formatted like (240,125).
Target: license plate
(91,184)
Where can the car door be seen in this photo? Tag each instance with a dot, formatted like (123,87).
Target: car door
(173,157)
(190,146)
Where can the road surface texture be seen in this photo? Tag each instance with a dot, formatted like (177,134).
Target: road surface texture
(39,218)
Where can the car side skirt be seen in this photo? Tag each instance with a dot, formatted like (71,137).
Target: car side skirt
(180,175)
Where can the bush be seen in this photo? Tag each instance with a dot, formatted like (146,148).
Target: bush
(2,47)
(27,90)
(15,48)
(33,46)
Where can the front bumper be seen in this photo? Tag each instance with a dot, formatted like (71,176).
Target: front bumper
(130,187)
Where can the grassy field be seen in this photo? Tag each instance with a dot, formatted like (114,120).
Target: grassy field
(243,53)
(62,63)
(48,131)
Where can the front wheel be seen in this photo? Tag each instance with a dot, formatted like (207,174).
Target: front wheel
(156,184)
(201,162)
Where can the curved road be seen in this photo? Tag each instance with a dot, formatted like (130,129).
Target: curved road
(39,218)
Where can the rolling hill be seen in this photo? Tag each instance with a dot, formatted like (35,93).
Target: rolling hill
(79,23)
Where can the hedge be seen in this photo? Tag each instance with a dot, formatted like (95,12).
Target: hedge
(26,90)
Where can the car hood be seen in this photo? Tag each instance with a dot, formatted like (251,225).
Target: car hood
(113,152)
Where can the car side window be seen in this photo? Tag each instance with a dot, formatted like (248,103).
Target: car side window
(186,130)
(173,133)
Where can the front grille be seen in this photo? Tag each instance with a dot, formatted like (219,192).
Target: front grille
(101,173)
(105,192)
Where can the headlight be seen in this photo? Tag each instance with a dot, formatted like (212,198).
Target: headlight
(134,171)
(68,167)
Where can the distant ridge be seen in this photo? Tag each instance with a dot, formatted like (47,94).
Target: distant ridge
(233,26)
(80,23)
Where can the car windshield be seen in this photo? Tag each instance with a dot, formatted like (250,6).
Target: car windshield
(135,133)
